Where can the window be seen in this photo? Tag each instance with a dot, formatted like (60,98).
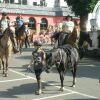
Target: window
(24,2)
(5,1)
(35,3)
(11,1)
(17,1)
(43,3)
(43,24)
(32,23)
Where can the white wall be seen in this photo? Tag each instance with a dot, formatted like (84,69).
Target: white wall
(63,3)
(30,2)
(50,3)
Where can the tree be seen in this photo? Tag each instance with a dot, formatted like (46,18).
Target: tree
(82,8)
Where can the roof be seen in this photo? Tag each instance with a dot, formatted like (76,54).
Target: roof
(36,10)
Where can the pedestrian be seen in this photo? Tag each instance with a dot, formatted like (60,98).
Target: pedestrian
(38,57)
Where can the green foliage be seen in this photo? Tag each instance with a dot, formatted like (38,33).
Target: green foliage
(82,7)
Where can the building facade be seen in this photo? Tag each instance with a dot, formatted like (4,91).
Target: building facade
(39,13)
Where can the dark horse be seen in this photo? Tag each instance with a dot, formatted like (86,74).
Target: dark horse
(84,36)
(84,42)
(21,37)
(60,58)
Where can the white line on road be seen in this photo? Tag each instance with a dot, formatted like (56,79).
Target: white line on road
(13,80)
(54,96)
(56,86)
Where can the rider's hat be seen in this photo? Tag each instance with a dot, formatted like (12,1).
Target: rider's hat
(4,14)
(37,43)
(68,16)
(26,23)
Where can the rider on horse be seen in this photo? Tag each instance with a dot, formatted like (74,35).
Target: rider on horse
(68,23)
(4,24)
(61,36)
(18,24)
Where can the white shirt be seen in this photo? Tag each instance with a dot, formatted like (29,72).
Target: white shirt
(4,24)
(69,25)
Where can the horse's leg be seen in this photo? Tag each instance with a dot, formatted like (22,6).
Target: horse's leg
(0,64)
(25,42)
(6,68)
(28,42)
(62,80)
(39,91)
(61,73)
(17,43)
(3,66)
(74,75)
(20,46)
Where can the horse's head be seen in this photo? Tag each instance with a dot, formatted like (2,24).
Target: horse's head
(52,58)
(6,33)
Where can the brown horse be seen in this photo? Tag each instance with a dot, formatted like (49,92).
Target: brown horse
(5,50)
(73,37)
(20,37)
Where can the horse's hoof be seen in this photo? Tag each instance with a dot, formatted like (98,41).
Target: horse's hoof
(73,86)
(3,72)
(61,89)
(5,75)
(38,92)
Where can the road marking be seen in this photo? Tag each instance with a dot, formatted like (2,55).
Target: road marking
(19,73)
(13,80)
(56,86)
(54,96)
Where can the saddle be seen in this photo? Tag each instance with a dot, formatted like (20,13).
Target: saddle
(67,49)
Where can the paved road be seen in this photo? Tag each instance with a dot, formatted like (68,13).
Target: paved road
(18,86)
